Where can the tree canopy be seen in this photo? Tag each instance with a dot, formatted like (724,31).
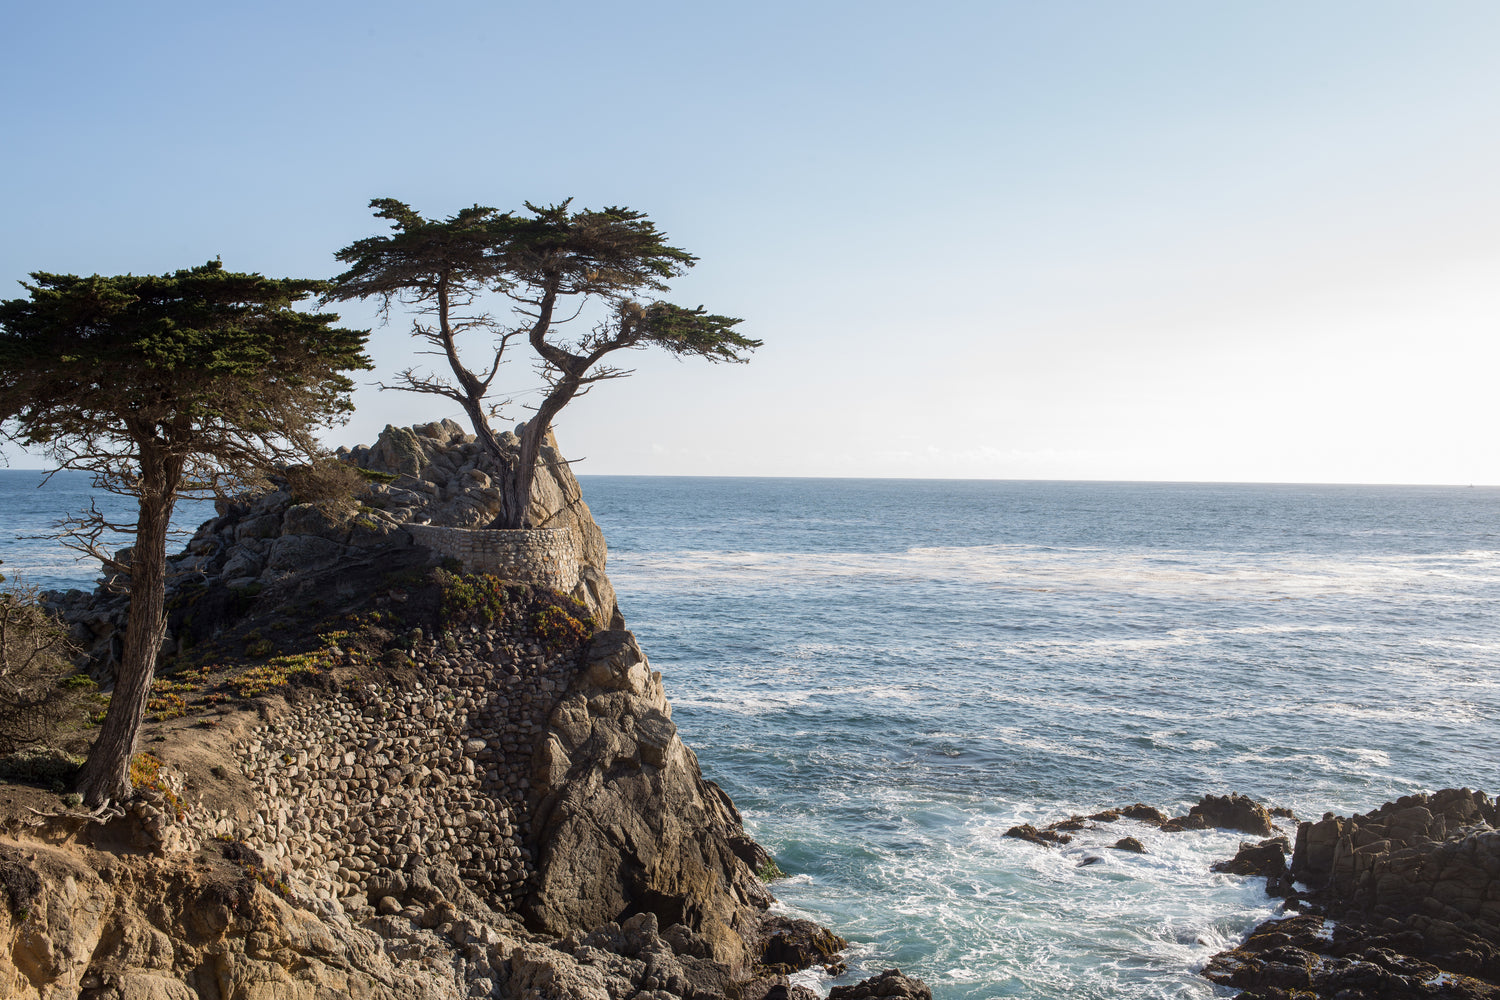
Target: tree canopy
(190,382)
(552,264)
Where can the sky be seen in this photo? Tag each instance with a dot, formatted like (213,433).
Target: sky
(1073,240)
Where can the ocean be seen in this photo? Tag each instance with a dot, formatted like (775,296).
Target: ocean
(887,675)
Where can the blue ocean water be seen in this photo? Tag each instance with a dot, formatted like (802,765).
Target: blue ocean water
(31,505)
(887,675)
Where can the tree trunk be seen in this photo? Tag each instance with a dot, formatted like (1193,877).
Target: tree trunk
(106,773)
(504,461)
(517,488)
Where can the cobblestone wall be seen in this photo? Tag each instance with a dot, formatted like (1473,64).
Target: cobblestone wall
(352,785)
(546,557)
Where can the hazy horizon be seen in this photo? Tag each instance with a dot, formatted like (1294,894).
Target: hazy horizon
(1163,242)
(975,479)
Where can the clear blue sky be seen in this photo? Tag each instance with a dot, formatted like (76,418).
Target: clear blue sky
(1100,240)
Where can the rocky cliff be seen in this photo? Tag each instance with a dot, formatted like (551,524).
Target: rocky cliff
(1403,901)
(372,773)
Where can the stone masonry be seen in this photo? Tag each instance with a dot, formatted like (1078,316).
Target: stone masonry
(381,779)
(546,557)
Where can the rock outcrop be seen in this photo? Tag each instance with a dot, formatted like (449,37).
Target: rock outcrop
(1225,812)
(383,777)
(279,539)
(625,821)
(1404,901)
(891,984)
(445,478)
(1266,858)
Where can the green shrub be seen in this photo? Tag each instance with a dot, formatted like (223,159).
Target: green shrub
(331,484)
(560,630)
(34,649)
(770,871)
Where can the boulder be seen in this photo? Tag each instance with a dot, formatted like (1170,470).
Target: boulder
(889,985)
(790,944)
(1044,838)
(1144,814)
(398,451)
(1266,858)
(1225,812)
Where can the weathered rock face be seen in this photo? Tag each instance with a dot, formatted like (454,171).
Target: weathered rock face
(1225,812)
(1336,851)
(273,540)
(1426,863)
(445,478)
(133,928)
(1415,888)
(625,822)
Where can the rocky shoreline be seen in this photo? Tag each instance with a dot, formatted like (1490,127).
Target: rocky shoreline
(374,774)
(1402,901)
(383,776)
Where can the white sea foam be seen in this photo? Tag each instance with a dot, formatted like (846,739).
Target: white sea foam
(1193,574)
(1079,647)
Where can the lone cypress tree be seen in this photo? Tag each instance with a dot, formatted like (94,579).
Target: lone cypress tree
(552,264)
(188,383)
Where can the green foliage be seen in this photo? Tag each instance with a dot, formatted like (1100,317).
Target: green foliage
(145,775)
(327,482)
(204,361)
(770,871)
(558,620)
(38,690)
(559,629)
(100,709)
(556,264)
(167,706)
(279,671)
(475,597)
(269,676)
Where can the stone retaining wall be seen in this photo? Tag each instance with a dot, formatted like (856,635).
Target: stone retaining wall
(545,557)
(377,779)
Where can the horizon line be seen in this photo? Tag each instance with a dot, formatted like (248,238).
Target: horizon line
(983,479)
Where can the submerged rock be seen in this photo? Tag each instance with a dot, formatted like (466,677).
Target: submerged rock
(1231,812)
(1046,838)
